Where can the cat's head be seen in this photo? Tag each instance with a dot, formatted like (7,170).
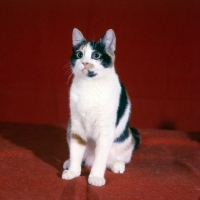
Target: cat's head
(92,59)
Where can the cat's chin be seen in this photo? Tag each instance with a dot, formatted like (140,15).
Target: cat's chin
(85,71)
(88,72)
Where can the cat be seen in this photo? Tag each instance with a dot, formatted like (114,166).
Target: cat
(98,132)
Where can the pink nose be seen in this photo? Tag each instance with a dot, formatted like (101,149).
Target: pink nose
(84,63)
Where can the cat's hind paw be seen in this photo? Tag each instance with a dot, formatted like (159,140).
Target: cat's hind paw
(68,175)
(96,181)
(118,167)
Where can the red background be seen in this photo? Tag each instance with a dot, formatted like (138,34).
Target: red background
(158,48)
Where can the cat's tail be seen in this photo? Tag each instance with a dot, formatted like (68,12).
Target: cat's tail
(136,136)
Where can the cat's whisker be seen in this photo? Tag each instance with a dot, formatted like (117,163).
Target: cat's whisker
(70,76)
(68,61)
(68,70)
(67,65)
(66,73)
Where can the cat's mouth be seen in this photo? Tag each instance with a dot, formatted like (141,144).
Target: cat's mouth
(88,72)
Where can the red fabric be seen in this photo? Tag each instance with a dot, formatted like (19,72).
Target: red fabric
(165,166)
(158,60)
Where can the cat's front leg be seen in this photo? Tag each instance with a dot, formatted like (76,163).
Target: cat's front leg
(103,145)
(77,147)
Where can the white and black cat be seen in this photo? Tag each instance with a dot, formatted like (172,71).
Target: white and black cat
(98,133)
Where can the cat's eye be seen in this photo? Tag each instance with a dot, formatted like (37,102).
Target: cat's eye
(79,54)
(96,55)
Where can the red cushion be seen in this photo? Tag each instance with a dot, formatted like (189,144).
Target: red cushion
(165,166)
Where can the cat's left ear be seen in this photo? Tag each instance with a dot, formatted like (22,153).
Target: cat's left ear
(109,40)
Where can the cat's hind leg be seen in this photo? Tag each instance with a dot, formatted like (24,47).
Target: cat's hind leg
(118,167)
(120,154)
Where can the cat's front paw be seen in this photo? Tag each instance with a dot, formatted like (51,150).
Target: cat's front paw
(68,175)
(96,181)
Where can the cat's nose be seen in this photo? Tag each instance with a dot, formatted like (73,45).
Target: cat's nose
(84,63)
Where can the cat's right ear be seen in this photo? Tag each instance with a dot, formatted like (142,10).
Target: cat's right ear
(109,40)
(77,37)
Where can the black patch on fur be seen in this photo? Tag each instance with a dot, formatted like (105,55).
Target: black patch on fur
(75,48)
(136,136)
(105,59)
(91,74)
(123,136)
(123,102)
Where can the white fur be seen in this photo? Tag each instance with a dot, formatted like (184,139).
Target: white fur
(93,105)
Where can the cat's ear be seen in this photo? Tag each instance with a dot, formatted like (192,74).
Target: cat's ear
(77,37)
(109,40)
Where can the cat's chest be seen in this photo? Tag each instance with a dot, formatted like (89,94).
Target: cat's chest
(88,96)
(93,96)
